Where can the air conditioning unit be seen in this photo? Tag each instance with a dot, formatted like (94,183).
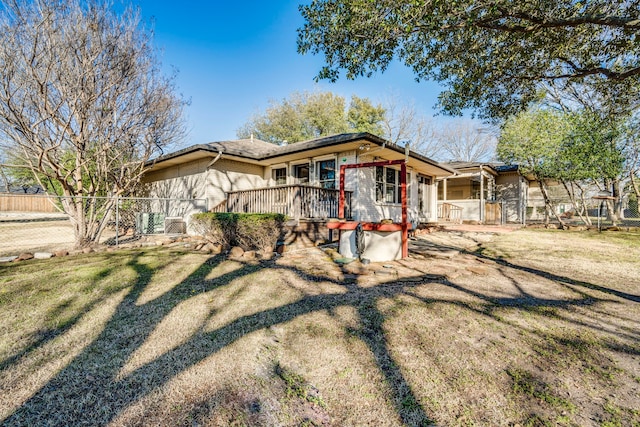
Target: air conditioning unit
(175,225)
(150,223)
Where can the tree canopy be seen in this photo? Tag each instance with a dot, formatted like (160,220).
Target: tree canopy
(493,56)
(309,115)
(83,104)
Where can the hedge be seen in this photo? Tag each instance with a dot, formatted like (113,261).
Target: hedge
(249,231)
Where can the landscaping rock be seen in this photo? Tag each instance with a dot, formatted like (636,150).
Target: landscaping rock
(61,253)
(24,256)
(8,258)
(87,250)
(249,255)
(236,252)
(42,255)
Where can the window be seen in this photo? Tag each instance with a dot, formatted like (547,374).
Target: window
(279,175)
(327,173)
(387,185)
(301,173)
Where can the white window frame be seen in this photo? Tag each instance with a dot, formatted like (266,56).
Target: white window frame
(273,173)
(295,179)
(316,170)
(381,197)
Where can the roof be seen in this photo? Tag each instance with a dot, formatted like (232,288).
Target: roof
(265,153)
(470,165)
(501,167)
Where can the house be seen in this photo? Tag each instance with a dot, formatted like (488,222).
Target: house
(488,193)
(470,195)
(512,192)
(301,180)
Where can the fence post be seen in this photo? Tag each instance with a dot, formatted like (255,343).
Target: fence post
(117,219)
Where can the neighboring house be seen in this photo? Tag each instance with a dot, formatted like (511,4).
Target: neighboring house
(512,192)
(470,195)
(489,193)
(300,180)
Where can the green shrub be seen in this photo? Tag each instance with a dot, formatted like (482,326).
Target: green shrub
(249,231)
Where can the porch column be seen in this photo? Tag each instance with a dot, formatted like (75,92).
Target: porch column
(481,195)
(433,200)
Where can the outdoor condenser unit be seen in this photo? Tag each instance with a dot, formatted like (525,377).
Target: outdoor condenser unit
(174,225)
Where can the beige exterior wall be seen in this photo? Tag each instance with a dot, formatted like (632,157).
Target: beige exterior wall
(512,191)
(193,180)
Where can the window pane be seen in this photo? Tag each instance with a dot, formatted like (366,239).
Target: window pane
(301,173)
(379,192)
(390,194)
(280,176)
(391,176)
(327,173)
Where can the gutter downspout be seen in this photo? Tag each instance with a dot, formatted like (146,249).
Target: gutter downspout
(206,177)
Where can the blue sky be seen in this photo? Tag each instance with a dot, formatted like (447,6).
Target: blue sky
(233,57)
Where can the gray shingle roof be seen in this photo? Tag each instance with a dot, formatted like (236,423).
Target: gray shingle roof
(256,149)
(252,148)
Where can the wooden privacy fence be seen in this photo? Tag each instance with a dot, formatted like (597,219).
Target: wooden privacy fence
(493,213)
(27,203)
(295,201)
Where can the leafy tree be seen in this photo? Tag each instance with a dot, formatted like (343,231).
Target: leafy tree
(83,104)
(494,56)
(363,116)
(591,152)
(306,115)
(568,147)
(533,140)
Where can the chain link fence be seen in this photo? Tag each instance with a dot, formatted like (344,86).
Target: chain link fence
(600,213)
(32,223)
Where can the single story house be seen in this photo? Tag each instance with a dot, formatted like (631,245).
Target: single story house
(470,195)
(301,179)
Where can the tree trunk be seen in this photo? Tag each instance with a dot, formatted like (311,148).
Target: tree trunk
(634,184)
(572,196)
(550,206)
(615,204)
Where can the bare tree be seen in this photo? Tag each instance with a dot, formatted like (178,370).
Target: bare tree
(467,141)
(83,104)
(404,124)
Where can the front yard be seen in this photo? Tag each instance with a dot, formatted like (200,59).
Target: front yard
(527,328)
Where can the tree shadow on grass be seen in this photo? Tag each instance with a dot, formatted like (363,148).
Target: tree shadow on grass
(80,394)
(44,335)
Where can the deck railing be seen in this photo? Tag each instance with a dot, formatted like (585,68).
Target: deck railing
(295,201)
(449,213)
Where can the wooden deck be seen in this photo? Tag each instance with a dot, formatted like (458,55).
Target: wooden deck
(295,201)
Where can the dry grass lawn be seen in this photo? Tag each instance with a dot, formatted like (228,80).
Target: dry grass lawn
(529,328)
